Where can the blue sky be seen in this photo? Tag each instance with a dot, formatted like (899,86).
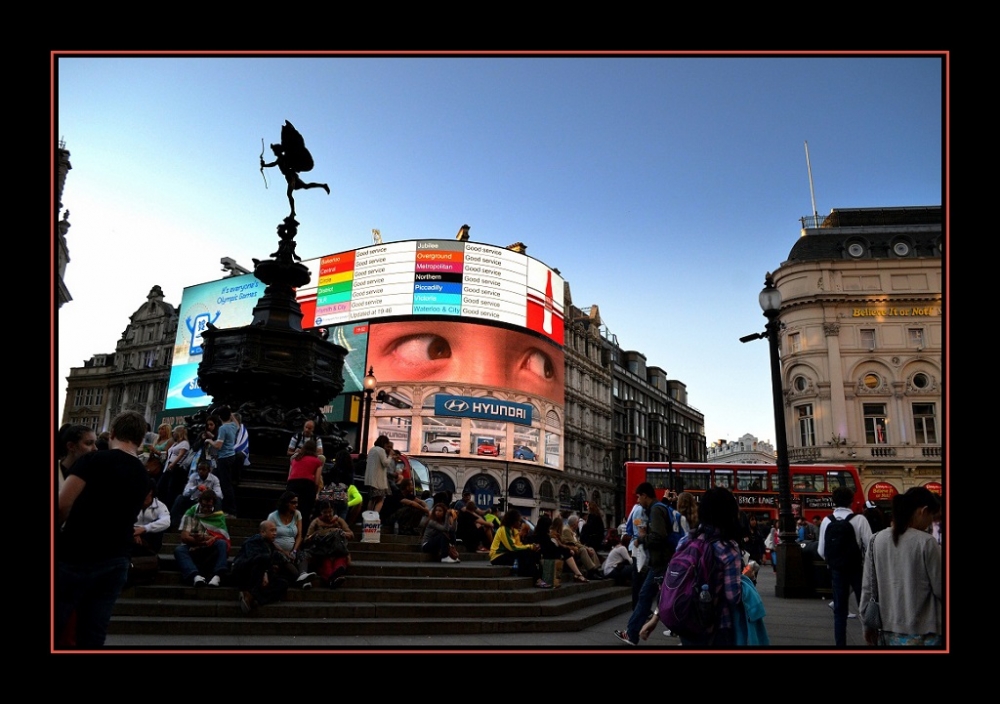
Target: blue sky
(663,188)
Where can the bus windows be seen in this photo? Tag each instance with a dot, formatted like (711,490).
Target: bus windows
(751,480)
(839,479)
(659,478)
(724,478)
(807,482)
(695,479)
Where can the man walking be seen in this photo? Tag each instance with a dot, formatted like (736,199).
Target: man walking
(843,540)
(103,494)
(657,543)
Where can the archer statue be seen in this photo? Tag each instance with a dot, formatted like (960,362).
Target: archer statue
(292,158)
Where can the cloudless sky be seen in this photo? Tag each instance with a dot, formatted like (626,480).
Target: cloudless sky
(663,188)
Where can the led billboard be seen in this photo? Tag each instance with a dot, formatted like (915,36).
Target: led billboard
(443,322)
(434,277)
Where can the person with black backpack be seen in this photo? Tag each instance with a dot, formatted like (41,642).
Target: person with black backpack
(843,538)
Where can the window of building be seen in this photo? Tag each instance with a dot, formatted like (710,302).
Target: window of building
(800,383)
(88,397)
(872,381)
(920,381)
(917,338)
(807,425)
(149,358)
(868,339)
(875,424)
(924,427)
(794,342)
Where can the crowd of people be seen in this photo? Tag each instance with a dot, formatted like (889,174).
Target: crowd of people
(114,506)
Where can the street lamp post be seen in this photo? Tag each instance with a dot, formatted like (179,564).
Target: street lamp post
(790,582)
(369,383)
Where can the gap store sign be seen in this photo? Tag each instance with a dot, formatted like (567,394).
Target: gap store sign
(482,408)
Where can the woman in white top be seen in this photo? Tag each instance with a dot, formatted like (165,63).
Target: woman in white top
(290,535)
(377,469)
(173,478)
(903,568)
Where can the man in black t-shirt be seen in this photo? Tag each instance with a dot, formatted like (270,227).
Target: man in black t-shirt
(97,508)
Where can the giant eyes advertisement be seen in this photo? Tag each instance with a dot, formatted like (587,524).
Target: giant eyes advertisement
(468,389)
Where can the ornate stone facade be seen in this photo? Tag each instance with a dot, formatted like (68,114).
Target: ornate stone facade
(133,377)
(747,450)
(861,345)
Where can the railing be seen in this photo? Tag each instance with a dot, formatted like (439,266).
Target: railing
(865,453)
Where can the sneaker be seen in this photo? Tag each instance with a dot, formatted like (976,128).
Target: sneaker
(338,582)
(215,581)
(542,584)
(668,633)
(623,637)
(305,577)
(199,581)
(448,559)
(246,603)
(851,615)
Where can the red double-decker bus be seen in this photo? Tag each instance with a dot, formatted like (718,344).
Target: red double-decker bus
(754,485)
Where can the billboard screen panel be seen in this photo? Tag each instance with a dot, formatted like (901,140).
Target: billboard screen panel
(422,312)
(470,389)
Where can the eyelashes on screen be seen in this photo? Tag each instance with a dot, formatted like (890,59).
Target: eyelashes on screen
(417,349)
(539,364)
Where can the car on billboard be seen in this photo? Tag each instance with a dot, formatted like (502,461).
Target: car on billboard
(523,452)
(487,446)
(445,445)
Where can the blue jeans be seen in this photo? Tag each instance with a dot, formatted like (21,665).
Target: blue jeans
(182,553)
(644,606)
(842,583)
(91,590)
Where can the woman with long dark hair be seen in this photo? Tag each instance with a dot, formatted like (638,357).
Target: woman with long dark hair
(290,535)
(72,442)
(903,567)
(551,551)
(719,515)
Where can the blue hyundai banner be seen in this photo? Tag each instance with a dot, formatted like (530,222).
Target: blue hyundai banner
(484,408)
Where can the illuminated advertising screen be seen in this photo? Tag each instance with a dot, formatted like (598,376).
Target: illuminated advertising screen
(434,277)
(229,303)
(468,388)
(442,322)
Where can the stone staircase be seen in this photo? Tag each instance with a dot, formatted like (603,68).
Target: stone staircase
(392,589)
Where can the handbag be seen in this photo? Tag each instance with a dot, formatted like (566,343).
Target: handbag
(871,614)
(329,544)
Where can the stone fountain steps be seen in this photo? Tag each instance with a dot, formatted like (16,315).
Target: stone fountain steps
(391,589)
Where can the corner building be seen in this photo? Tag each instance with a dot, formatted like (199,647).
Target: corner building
(133,377)
(861,345)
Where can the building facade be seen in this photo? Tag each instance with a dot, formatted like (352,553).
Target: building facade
(133,377)
(861,345)
(747,450)
(589,441)
(652,419)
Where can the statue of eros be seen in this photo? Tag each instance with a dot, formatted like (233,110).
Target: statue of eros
(292,158)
